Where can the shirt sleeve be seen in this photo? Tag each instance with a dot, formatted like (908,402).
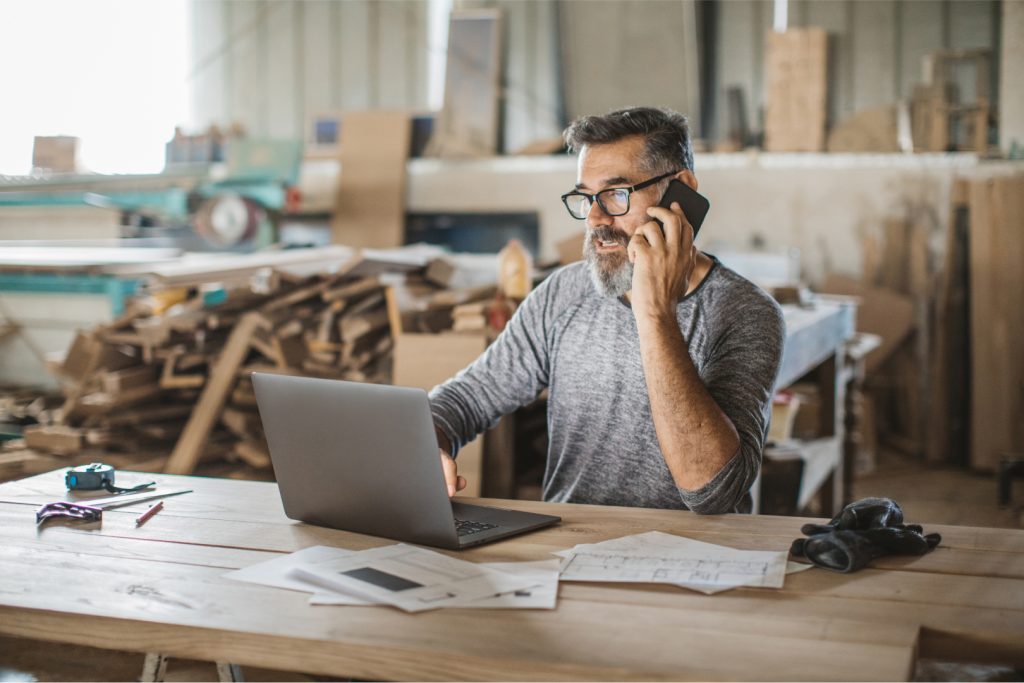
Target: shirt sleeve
(509,374)
(740,375)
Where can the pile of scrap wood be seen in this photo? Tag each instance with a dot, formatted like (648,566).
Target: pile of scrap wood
(170,385)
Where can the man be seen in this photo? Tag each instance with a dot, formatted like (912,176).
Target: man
(660,361)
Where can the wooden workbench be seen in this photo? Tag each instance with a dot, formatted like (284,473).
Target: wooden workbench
(160,588)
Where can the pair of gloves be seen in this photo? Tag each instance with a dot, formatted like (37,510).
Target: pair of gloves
(862,531)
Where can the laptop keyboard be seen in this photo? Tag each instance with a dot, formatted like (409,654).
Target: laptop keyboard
(465,527)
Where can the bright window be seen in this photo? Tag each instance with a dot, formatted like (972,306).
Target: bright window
(110,72)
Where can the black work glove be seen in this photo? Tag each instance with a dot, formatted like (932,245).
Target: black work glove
(866,513)
(864,530)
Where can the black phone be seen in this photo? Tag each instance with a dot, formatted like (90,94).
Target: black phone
(695,205)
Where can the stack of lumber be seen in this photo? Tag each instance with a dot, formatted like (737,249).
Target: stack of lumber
(171,386)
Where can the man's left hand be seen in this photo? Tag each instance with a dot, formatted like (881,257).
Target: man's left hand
(662,262)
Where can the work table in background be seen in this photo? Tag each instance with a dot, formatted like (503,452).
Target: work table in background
(160,588)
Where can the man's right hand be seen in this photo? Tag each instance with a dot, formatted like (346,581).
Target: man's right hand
(451,474)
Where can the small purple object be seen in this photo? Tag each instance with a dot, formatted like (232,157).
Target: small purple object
(74,511)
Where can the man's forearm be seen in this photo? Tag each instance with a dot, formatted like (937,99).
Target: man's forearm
(696,437)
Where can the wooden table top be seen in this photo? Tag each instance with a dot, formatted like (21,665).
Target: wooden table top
(160,588)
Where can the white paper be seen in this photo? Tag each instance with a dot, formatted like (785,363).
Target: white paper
(541,594)
(656,557)
(278,572)
(410,578)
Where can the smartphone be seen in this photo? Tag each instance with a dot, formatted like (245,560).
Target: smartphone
(695,206)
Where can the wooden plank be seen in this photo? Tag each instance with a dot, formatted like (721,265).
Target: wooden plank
(949,409)
(352,290)
(994,245)
(222,377)
(117,381)
(56,439)
(370,205)
(170,379)
(100,403)
(795,103)
(253,453)
(354,328)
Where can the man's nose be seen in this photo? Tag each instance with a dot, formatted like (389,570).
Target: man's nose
(596,216)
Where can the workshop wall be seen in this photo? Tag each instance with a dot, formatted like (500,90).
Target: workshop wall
(875,49)
(273,65)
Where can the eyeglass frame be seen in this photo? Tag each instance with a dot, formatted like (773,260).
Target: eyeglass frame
(596,197)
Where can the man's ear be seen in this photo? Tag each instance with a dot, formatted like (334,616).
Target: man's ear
(686,176)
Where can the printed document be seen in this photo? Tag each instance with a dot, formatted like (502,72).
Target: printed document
(657,557)
(278,572)
(410,578)
(542,593)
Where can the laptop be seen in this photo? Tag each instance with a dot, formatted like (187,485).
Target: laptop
(364,458)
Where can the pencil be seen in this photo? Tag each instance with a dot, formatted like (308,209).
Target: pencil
(149,513)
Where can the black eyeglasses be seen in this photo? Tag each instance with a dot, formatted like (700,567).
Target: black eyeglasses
(614,201)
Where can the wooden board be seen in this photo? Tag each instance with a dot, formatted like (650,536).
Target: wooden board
(795,102)
(370,206)
(949,407)
(965,600)
(222,378)
(880,311)
(997,319)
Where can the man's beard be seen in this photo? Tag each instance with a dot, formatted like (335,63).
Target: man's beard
(612,274)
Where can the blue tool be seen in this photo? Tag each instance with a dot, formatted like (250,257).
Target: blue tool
(95,476)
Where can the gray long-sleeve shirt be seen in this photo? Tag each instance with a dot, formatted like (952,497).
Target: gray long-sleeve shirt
(584,347)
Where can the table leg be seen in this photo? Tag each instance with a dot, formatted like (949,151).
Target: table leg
(229,673)
(154,669)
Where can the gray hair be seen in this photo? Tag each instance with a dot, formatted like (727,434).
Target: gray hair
(666,134)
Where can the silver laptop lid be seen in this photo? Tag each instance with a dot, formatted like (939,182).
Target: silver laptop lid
(358,457)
